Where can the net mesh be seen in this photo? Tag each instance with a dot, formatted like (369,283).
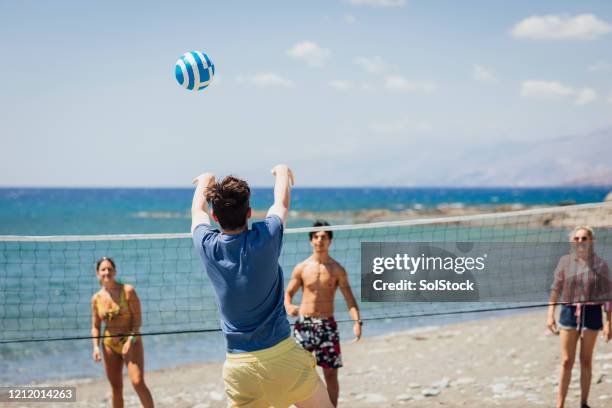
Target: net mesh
(46,283)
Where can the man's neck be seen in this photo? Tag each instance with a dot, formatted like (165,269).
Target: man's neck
(320,257)
(235,231)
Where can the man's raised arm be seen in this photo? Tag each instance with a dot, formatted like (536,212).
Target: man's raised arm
(199,206)
(282,192)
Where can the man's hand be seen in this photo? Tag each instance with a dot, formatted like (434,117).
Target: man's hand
(357,330)
(204,178)
(281,169)
(292,310)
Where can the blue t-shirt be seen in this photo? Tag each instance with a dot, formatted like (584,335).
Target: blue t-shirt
(248,283)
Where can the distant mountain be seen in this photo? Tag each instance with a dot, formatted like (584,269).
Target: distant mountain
(571,160)
(582,159)
(597,178)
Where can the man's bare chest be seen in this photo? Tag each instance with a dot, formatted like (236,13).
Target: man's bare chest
(319,276)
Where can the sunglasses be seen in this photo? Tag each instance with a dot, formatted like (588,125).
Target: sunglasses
(581,239)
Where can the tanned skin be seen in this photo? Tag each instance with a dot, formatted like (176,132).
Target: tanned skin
(319,276)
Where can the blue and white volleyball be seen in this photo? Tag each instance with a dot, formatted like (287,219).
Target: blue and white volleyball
(194,70)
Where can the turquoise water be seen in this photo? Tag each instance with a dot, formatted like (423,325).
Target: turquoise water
(47,286)
(124,211)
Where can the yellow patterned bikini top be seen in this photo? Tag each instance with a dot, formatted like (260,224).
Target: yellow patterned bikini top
(109,313)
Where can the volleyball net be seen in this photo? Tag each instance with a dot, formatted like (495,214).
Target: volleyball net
(46,283)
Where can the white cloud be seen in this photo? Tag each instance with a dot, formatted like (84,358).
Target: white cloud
(349,19)
(610,98)
(555,27)
(585,96)
(379,3)
(599,67)
(536,89)
(398,83)
(480,73)
(341,84)
(402,125)
(373,65)
(265,79)
(310,53)
(545,89)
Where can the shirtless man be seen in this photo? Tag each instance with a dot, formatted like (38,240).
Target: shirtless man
(319,276)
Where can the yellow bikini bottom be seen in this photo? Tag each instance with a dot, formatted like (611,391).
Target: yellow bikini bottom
(115,343)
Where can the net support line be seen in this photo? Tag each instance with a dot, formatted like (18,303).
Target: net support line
(408,316)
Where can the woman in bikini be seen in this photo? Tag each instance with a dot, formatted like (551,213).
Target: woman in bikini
(118,306)
(582,284)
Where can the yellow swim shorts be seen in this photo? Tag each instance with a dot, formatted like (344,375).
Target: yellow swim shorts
(277,377)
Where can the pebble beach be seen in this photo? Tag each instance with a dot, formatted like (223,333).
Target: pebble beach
(507,362)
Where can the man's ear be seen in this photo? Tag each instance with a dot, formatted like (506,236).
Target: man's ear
(214,216)
(249,213)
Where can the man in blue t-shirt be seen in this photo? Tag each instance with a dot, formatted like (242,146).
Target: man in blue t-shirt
(264,366)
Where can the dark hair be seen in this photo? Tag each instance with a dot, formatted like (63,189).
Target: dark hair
(230,202)
(320,223)
(104,258)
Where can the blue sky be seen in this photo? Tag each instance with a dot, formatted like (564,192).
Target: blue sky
(346,92)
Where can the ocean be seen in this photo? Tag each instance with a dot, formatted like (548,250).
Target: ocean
(45,288)
(30,211)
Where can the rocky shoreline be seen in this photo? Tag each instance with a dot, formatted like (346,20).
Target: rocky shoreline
(600,217)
